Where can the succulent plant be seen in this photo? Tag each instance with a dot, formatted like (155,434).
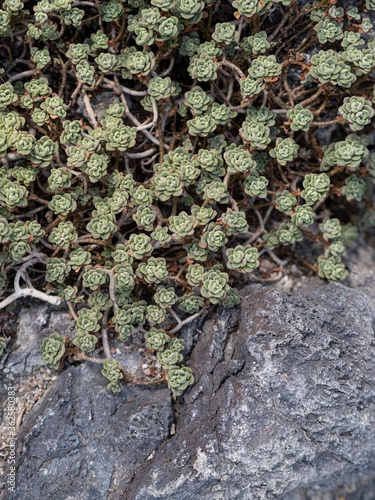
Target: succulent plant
(5,230)
(144,218)
(222,114)
(286,150)
(190,10)
(139,63)
(256,44)
(63,235)
(243,258)
(112,371)
(316,186)
(100,300)
(350,152)
(300,118)
(124,277)
(85,342)
(161,235)
(141,196)
(354,188)
(162,88)
(239,160)
(247,7)
(330,228)
(331,269)
(57,269)
(40,57)
(285,202)
(43,151)
(62,204)
(102,227)
(328,67)
(120,138)
(128,184)
(93,278)
(234,222)
(224,33)
(288,234)
(179,378)
(215,286)
(98,40)
(155,315)
(153,271)
(140,245)
(167,28)
(303,216)
(198,100)
(216,191)
(85,73)
(264,68)
(357,112)
(181,225)
(251,86)
(190,303)
(156,339)
(7,95)
(189,45)
(2,345)
(167,184)
(111,11)
(78,52)
(106,61)
(194,274)
(256,134)
(256,185)
(196,252)
(201,125)
(165,297)
(329,30)
(53,349)
(203,68)
(169,358)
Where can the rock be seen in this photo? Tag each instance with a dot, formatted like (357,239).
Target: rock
(362,270)
(282,408)
(80,440)
(282,405)
(35,322)
(23,358)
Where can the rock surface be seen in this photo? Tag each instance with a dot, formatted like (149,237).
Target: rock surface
(36,321)
(80,439)
(361,267)
(287,402)
(21,364)
(282,408)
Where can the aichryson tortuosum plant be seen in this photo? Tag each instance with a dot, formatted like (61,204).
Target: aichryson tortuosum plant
(153,151)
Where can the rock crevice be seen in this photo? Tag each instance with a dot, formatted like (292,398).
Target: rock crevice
(282,406)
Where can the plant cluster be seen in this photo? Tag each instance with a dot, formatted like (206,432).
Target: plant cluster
(142,213)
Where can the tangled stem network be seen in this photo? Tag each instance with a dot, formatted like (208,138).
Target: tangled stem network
(152,152)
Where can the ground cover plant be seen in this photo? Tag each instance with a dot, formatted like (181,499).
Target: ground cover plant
(152,152)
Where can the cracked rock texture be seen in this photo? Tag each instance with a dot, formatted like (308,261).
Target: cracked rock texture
(80,439)
(285,403)
(36,321)
(282,408)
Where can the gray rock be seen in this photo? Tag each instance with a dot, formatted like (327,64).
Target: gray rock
(283,404)
(80,440)
(35,322)
(282,408)
(361,265)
